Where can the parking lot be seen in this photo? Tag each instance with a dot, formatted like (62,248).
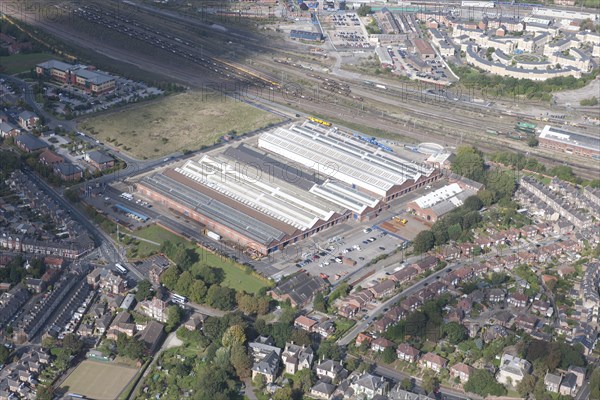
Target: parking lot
(337,252)
(114,206)
(81,102)
(345,30)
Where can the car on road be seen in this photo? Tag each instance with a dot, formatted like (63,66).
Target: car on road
(381,248)
(361,258)
(367,230)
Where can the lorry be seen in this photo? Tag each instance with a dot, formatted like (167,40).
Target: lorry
(213,235)
(348,261)
(380,86)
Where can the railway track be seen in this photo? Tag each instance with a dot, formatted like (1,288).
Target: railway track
(442,124)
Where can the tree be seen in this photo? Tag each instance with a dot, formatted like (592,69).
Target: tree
(527,385)
(455,332)
(220,297)
(212,379)
(72,344)
(210,275)
(389,355)
(44,392)
(319,303)
(198,291)
(303,380)
(246,303)
(259,381)
(240,360)
(329,350)
(486,197)
(455,231)
(482,382)
(532,141)
(406,384)
(262,305)
(170,277)
(48,342)
(174,316)
(469,163)
(470,220)
(4,353)
(430,382)
(144,290)
(423,242)
(595,384)
(234,335)
(473,203)
(184,283)
(300,337)
(281,333)
(363,10)
(285,393)
(501,183)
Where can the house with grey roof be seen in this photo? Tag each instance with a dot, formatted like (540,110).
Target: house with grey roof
(552,382)
(260,349)
(330,370)
(296,358)
(322,390)
(267,367)
(28,120)
(29,143)
(8,130)
(99,160)
(368,386)
(513,369)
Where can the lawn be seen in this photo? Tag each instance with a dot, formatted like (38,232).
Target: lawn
(235,276)
(99,380)
(186,121)
(159,235)
(23,62)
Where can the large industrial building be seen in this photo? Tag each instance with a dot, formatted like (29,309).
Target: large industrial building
(569,142)
(310,178)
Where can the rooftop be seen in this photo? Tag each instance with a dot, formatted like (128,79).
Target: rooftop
(571,138)
(340,156)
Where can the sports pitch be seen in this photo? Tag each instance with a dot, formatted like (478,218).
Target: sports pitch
(99,380)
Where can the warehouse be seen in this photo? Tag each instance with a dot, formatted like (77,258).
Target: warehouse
(569,142)
(435,204)
(306,35)
(220,214)
(344,158)
(267,201)
(424,49)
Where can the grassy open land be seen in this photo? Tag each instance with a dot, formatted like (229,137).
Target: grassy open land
(23,62)
(186,121)
(235,276)
(99,380)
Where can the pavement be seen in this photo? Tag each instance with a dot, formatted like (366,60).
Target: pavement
(396,376)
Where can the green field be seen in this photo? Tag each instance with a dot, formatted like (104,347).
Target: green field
(99,380)
(235,276)
(186,121)
(22,62)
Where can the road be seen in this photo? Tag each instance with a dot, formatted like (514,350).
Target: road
(105,242)
(584,392)
(395,376)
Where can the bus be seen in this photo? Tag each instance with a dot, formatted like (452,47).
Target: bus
(122,270)
(176,298)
